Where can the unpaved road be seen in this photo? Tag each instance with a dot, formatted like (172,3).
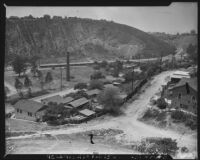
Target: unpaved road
(134,130)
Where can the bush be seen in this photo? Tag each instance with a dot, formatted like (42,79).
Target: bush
(161,103)
(191,123)
(80,86)
(150,113)
(178,116)
(184,150)
(97,75)
(95,84)
(161,116)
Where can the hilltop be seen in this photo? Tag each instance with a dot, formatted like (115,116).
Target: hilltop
(97,39)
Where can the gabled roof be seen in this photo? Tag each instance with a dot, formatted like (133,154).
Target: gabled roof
(79,102)
(67,99)
(87,112)
(192,82)
(93,92)
(28,105)
(58,99)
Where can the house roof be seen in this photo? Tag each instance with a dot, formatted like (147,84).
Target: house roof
(100,107)
(68,107)
(58,99)
(79,102)
(28,105)
(192,82)
(87,112)
(78,117)
(109,86)
(67,99)
(93,92)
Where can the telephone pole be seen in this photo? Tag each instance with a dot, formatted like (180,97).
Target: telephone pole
(67,67)
(61,78)
(132,78)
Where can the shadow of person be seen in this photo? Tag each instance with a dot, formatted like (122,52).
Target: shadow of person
(91,137)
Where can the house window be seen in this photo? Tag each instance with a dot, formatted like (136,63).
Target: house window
(20,111)
(179,96)
(17,110)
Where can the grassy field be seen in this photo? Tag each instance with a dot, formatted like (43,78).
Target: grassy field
(78,74)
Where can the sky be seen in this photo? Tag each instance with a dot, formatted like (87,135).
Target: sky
(178,17)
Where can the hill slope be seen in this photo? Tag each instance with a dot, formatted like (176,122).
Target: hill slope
(50,37)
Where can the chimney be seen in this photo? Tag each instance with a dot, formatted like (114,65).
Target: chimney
(67,68)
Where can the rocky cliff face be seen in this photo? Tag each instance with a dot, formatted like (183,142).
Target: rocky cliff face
(51,37)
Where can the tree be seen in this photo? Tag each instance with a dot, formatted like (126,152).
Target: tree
(80,86)
(33,60)
(192,52)
(18,86)
(161,103)
(95,84)
(28,84)
(97,75)
(104,64)
(192,31)
(19,64)
(48,78)
(40,78)
(111,100)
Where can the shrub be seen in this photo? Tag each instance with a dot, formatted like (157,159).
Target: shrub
(161,116)
(184,150)
(161,103)
(80,86)
(178,116)
(95,84)
(150,113)
(97,75)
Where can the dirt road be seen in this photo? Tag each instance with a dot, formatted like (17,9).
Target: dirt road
(133,129)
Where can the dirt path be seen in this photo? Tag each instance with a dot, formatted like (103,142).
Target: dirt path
(135,130)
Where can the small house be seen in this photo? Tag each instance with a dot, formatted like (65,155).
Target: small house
(184,94)
(79,103)
(29,110)
(178,75)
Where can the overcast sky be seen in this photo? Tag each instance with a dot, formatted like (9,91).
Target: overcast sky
(178,17)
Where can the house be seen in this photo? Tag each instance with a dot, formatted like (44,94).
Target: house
(184,94)
(87,113)
(178,75)
(79,103)
(29,110)
(93,93)
(55,99)
(98,108)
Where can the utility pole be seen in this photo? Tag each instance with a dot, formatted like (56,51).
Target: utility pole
(67,67)
(132,78)
(61,78)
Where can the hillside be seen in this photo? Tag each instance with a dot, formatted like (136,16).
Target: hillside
(178,40)
(97,39)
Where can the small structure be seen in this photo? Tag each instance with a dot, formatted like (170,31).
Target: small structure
(93,93)
(109,86)
(98,108)
(184,94)
(77,119)
(116,83)
(55,99)
(67,100)
(79,103)
(87,113)
(29,110)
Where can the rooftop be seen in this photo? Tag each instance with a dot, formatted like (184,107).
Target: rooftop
(93,92)
(67,100)
(28,105)
(79,102)
(87,112)
(57,99)
(192,82)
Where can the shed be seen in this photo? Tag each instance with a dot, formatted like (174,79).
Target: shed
(87,112)
(79,102)
(93,92)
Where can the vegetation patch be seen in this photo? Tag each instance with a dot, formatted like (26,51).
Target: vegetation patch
(157,146)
